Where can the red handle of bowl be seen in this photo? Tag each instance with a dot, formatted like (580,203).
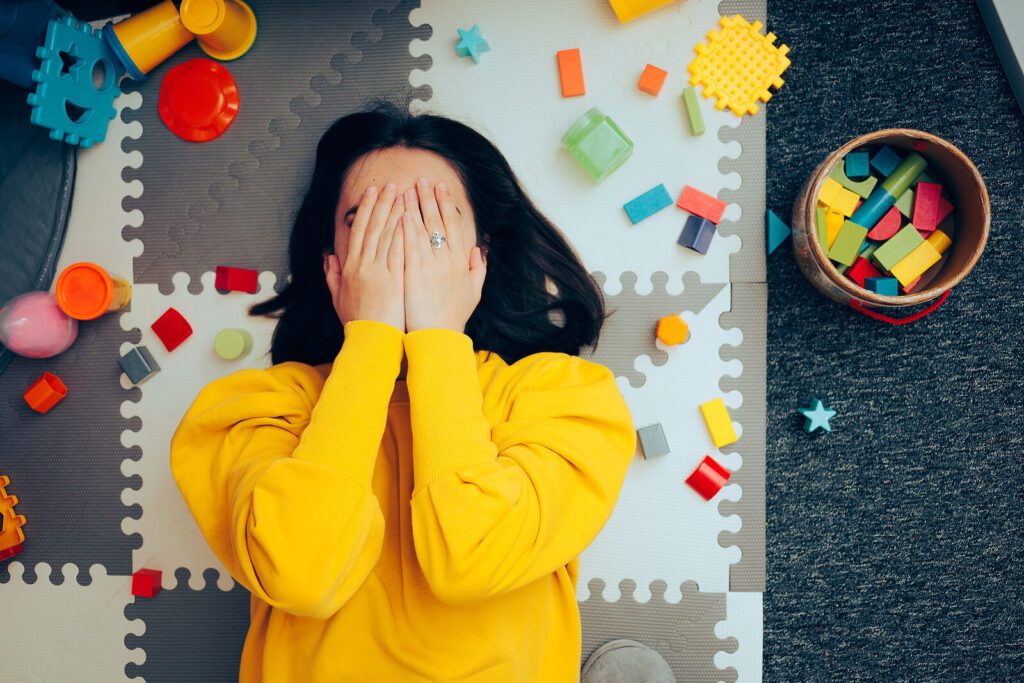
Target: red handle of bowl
(858,306)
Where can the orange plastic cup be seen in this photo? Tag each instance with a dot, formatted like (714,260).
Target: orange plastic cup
(86,291)
(226,29)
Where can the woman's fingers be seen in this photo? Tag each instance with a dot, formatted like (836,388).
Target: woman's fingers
(414,222)
(377,220)
(428,207)
(451,218)
(358,229)
(396,252)
(384,244)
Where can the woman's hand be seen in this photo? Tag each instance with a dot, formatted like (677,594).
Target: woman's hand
(442,286)
(370,284)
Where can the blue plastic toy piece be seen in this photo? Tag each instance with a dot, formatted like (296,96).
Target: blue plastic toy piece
(886,286)
(697,234)
(778,231)
(857,166)
(818,416)
(76,84)
(471,44)
(22,29)
(648,204)
(885,161)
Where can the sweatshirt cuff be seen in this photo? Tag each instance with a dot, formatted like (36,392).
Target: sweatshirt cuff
(347,423)
(445,405)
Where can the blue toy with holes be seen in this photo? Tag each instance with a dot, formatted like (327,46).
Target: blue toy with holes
(76,83)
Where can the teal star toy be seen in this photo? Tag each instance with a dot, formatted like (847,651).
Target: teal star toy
(817,416)
(471,44)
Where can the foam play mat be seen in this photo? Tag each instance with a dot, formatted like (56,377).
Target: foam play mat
(670,569)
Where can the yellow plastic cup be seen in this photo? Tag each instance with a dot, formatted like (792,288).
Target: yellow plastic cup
(144,40)
(226,29)
(85,291)
(628,10)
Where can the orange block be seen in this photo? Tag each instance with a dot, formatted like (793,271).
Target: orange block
(701,204)
(47,392)
(652,79)
(673,330)
(570,71)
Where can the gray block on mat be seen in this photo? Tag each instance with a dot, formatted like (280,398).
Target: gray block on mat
(652,441)
(139,364)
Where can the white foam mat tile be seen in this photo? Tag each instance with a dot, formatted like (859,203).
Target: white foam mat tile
(661,528)
(745,622)
(67,632)
(513,96)
(170,537)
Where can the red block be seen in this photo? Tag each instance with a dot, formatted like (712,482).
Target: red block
(570,72)
(861,270)
(945,208)
(887,226)
(232,279)
(709,478)
(45,393)
(700,204)
(172,328)
(926,207)
(652,79)
(919,145)
(146,583)
(911,286)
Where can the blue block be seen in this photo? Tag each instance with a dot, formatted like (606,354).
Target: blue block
(22,29)
(857,166)
(647,204)
(885,161)
(697,234)
(887,286)
(66,100)
(778,231)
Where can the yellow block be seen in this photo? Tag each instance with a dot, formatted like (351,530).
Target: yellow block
(628,10)
(833,224)
(845,202)
(940,241)
(915,263)
(829,189)
(719,422)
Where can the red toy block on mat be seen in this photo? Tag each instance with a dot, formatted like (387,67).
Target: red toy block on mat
(570,72)
(236,279)
(146,583)
(709,478)
(172,328)
(700,204)
(45,393)
(652,79)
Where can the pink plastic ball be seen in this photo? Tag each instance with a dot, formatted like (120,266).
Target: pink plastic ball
(33,325)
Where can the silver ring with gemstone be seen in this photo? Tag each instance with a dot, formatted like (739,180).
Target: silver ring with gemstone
(437,240)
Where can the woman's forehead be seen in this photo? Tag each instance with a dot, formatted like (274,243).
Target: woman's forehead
(402,166)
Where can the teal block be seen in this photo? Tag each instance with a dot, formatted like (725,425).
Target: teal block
(857,166)
(887,286)
(885,161)
(898,246)
(778,231)
(471,44)
(647,204)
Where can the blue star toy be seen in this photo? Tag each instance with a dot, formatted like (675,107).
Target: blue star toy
(471,44)
(817,416)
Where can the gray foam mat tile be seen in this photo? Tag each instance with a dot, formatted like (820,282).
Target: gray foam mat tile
(65,465)
(683,633)
(190,635)
(233,200)
(749,313)
(629,331)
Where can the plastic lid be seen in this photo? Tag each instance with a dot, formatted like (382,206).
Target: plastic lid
(201,16)
(84,291)
(198,100)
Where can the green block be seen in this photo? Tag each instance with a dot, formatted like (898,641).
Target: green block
(598,144)
(898,246)
(925,178)
(869,248)
(906,203)
(862,188)
(846,248)
(692,105)
(819,221)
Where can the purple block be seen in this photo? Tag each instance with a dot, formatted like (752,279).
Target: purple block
(697,234)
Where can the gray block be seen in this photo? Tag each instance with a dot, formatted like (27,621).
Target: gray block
(652,441)
(139,364)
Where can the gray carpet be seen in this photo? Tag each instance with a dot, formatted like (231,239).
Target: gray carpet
(895,543)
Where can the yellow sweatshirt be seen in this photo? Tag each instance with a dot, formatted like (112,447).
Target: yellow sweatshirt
(419,530)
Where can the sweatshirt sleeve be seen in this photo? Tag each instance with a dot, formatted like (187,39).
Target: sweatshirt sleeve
(495,507)
(276,467)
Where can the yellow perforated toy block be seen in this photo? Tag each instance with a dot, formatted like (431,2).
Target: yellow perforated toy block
(738,65)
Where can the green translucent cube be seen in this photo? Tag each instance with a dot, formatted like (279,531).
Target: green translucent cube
(598,144)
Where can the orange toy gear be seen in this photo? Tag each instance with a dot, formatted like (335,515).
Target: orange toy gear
(11,535)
